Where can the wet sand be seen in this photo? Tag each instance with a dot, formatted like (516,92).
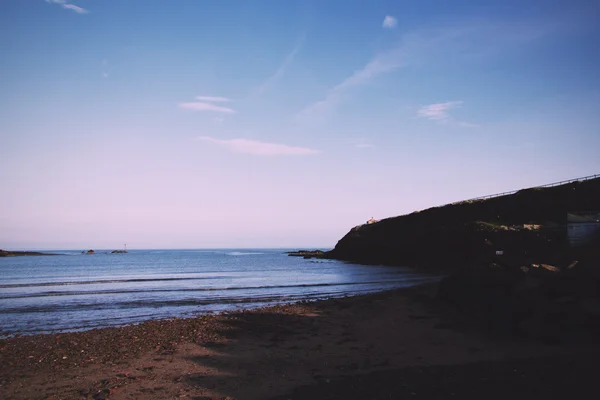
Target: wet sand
(386,345)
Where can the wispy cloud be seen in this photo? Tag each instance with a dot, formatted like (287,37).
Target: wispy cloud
(389,22)
(202,106)
(383,63)
(258,148)
(362,143)
(380,65)
(213,99)
(465,41)
(440,112)
(77,9)
(69,6)
(287,61)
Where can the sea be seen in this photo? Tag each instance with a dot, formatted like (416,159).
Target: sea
(72,291)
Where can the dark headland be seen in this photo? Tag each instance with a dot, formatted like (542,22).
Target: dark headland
(528,226)
(517,316)
(526,263)
(6,253)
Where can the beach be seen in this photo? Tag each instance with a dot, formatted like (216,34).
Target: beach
(369,346)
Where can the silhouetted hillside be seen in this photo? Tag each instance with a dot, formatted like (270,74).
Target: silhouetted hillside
(467,231)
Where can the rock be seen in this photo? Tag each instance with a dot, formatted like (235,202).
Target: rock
(544,267)
(307,254)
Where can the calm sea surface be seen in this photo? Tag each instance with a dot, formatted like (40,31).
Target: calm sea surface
(75,291)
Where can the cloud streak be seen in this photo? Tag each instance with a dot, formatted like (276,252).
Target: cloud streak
(202,106)
(69,6)
(205,103)
(362,143)
(258,148)
(438,111)
(287,61)
(213,99)
(77,9)
(389,22)
(381,64)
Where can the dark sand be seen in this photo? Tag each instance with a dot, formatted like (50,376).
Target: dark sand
(399,344)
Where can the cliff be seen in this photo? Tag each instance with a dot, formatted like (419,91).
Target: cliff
(507,260)
(529,224)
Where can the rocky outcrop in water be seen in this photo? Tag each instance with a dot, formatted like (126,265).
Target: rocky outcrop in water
(307,254)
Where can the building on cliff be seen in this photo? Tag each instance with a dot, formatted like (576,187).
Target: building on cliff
(372,221)
(582,227)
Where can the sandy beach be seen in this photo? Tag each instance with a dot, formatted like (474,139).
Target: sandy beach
(381,345)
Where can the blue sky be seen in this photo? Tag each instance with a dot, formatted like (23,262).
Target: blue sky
(190,124)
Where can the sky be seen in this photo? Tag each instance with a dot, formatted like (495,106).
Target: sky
(205,124)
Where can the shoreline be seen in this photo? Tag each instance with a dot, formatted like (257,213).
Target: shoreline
(247,305)
(281,307)
(258,353)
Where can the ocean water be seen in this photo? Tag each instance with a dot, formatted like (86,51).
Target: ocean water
(75,291)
